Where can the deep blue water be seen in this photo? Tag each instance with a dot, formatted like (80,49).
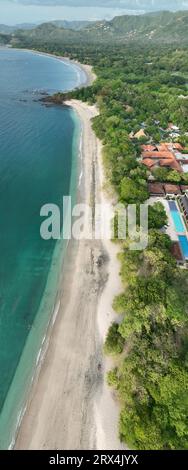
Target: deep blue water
(38,150)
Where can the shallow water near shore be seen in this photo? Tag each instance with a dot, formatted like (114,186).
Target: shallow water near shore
(39,147)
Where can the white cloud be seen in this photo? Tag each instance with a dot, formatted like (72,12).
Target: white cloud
(127,4)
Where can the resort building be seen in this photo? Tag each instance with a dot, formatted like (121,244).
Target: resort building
(177,253)
(164,190)
(184,188)
(183,202)
(140,134)
(156,189)
(172,189)
(174,197)
(174,131)
(167,155)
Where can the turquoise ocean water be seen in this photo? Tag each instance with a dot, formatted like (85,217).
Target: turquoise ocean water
(39,148)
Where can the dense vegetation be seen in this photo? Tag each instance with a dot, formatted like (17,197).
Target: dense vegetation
(151,377)
(4,39)
(141,87)
(164,27)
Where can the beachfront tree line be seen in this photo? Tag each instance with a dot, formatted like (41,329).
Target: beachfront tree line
(143,88)
(151,377)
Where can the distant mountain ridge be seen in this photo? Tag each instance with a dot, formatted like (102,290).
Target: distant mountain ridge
(158,26)
(5,29)
(162,27)
(75,25)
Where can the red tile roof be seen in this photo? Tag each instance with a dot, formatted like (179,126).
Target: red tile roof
(176,251)
(172,163)
(166,162)
(166,154)
(177,146)
(172,189)
(149,162)
(184,187)
(162,154)
(164,158)
(163,147)
(149,148)
(156,188)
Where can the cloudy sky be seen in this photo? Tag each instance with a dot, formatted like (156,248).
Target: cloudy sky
(19,11)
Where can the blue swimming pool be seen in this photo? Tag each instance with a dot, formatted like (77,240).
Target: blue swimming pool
(173,206)
(184,245)
(179,226)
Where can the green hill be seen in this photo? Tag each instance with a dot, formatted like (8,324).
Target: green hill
(45,34)
(162,27)
(76,25)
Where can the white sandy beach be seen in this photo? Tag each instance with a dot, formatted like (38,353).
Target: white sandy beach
(70,405)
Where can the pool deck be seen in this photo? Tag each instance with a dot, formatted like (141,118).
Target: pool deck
(178,221)
(170,229)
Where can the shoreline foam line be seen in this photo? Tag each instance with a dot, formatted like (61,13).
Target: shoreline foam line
(22,405)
